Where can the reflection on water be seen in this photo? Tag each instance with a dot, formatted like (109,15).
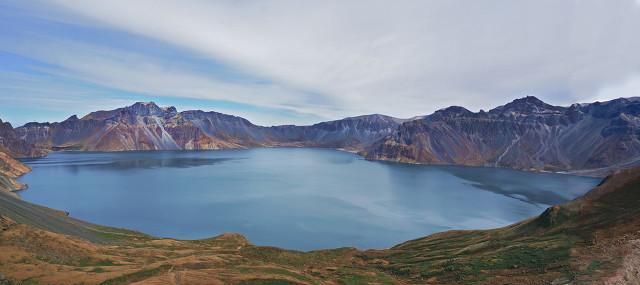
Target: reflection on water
(129,161)
(295,198)
(173,162)
(510,183)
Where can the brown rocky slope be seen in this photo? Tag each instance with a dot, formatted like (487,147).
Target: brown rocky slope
(10,170)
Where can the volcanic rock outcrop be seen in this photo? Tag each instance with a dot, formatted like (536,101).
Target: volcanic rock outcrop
(524,134)
(10,170)
(145,126)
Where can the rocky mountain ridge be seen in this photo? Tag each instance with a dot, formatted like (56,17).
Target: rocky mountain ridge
(526,133)
(145,126)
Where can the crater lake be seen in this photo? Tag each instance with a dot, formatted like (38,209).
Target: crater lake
(296,198)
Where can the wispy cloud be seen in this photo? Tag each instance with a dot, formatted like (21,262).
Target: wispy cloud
(339,58)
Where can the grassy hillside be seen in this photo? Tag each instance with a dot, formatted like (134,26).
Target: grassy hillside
(585,240)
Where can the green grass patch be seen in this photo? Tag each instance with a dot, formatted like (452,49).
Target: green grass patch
(277,271)
(353,280)
(527,257)
(85,262)
(28,281)
(109,234)
(98,270)
(267,282)
(136,276)
(350,276)
(472,269)
(295,258)
(74,261)
(593,266)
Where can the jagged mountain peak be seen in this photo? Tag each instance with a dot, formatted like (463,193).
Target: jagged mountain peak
(526,101)
(137,109)
(374,117)
(453,111)
(372,120)
(530,99)
(5,125)
(148,104)
(145,109)
(525,106)
(170,109)
(613,108)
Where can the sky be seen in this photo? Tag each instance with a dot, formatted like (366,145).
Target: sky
(301,62)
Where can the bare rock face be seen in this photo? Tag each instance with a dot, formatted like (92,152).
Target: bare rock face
(352,133)
(525,134)
(10,169)
(14,145)
(146,126)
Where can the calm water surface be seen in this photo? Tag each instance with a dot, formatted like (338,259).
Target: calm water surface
(294,198)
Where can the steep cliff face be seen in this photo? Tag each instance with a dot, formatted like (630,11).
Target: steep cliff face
(352,133)
(526,134)
(12,144)
(10,169)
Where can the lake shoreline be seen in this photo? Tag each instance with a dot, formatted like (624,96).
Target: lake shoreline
(304,174)
(594,173)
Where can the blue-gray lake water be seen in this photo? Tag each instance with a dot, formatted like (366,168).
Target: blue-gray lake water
(289,197)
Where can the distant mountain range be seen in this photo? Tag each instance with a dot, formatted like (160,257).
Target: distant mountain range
(524,134)
(145,126)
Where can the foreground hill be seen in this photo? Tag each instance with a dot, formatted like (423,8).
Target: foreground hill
(592,240)
(524,134)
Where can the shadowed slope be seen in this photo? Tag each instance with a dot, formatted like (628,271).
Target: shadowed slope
(524,134)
